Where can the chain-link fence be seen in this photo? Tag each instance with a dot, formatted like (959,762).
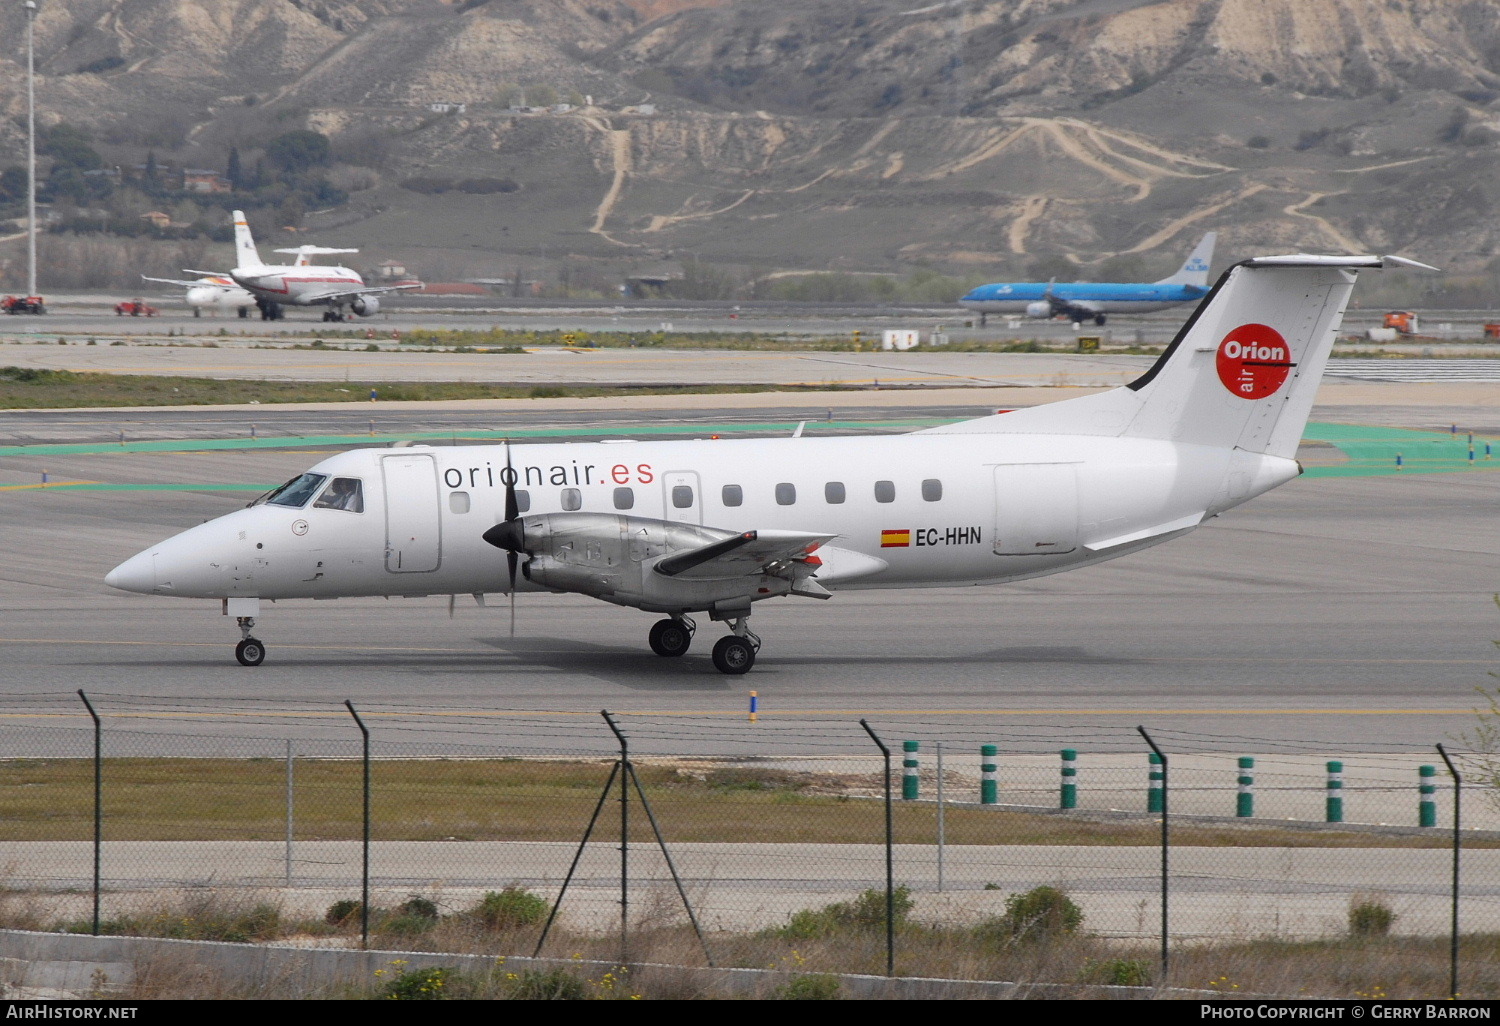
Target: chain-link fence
(947,846)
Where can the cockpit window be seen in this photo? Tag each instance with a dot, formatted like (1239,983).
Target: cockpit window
(297,491)
(345,493)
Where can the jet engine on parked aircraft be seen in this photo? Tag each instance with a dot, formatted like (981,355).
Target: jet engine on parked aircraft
(365,306)
(1041,308)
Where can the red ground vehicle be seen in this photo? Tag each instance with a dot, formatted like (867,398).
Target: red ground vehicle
(23,305)
(135,308)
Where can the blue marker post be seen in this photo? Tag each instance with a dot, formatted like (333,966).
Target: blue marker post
(1334,803)
(911,786)
(1398,461)
(374,395)
(1069,797)
(1427,791)
(754,706)
(989,776)
(1244,805)
(1155,778)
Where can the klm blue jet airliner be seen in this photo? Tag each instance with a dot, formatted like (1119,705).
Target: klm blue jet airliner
(1090,300)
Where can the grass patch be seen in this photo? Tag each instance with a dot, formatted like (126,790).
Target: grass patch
(548,800)
(25,388)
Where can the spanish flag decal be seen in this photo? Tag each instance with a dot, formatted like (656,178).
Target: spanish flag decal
(895,539)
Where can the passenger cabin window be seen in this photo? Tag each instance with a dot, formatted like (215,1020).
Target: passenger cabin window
(833,492)
(734,495)
(682,496)
(786,494)
(297,491)
(885,491)
(523,500)
(347,494)
(624,498)
(572,499)
(932,489)
(458,502)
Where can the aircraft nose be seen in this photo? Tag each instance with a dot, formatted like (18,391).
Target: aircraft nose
(138,573)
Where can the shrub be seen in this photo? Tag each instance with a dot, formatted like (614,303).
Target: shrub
(810,987)
(342,911)
(510,908)
(419,985)
(1370,917)
(547,985)
(419,907)
(1117,972)
(1041,913)
(865,912)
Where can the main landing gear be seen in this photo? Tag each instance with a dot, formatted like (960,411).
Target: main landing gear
(250,651)
(733,654)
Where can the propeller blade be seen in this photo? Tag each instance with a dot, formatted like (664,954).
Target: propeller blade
(512,511)
(508,475)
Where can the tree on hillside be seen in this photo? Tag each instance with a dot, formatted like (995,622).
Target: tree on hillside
(233,171)
(298,151)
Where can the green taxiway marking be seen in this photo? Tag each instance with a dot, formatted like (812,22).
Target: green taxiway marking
(1373,450)
(302,441)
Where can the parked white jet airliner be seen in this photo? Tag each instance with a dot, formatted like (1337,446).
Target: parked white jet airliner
(275,286)
(680,527)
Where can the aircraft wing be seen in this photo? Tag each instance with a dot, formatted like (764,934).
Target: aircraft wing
(366,290)
(192,284)
(751,552)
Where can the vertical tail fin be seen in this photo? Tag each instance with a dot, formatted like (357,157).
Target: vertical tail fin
(245,255)
(1241,374)
(1194,270)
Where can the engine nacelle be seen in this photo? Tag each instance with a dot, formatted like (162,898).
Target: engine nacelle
(613,557)
(1039,309)
(365,306)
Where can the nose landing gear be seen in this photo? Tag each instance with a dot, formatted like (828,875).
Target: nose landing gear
(250,651)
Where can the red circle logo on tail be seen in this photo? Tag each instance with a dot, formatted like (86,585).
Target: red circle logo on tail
(1254,361)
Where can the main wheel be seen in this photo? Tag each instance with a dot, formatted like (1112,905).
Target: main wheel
(670,638)
(1099,319)
(733,654)
(250,652)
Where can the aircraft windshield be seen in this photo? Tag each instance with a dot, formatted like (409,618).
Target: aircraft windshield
(297,491)
(345,493)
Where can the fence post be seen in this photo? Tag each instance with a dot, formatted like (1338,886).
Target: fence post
(98,801)
(1161,757)
(989,781)
(625,770)
(890,865)
(1069,797)
(1427,803)
(290,810)
(1244,803)
(1458,788)
(941,825)
(911,783)
(1334,804)
(1154,777)
(364,873)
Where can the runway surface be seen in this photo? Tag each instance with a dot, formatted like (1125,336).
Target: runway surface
(1352,612)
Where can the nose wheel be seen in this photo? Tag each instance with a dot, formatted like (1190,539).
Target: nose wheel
(250,651)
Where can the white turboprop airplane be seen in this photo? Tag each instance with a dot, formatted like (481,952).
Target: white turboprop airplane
(274,286)
(218,293)
(678,527)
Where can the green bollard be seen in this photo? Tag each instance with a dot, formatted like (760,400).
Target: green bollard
(1244,805)
(1427,806)
(1069,779)
(989,779)
(1335,799)
(910,783)
(1154,779)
